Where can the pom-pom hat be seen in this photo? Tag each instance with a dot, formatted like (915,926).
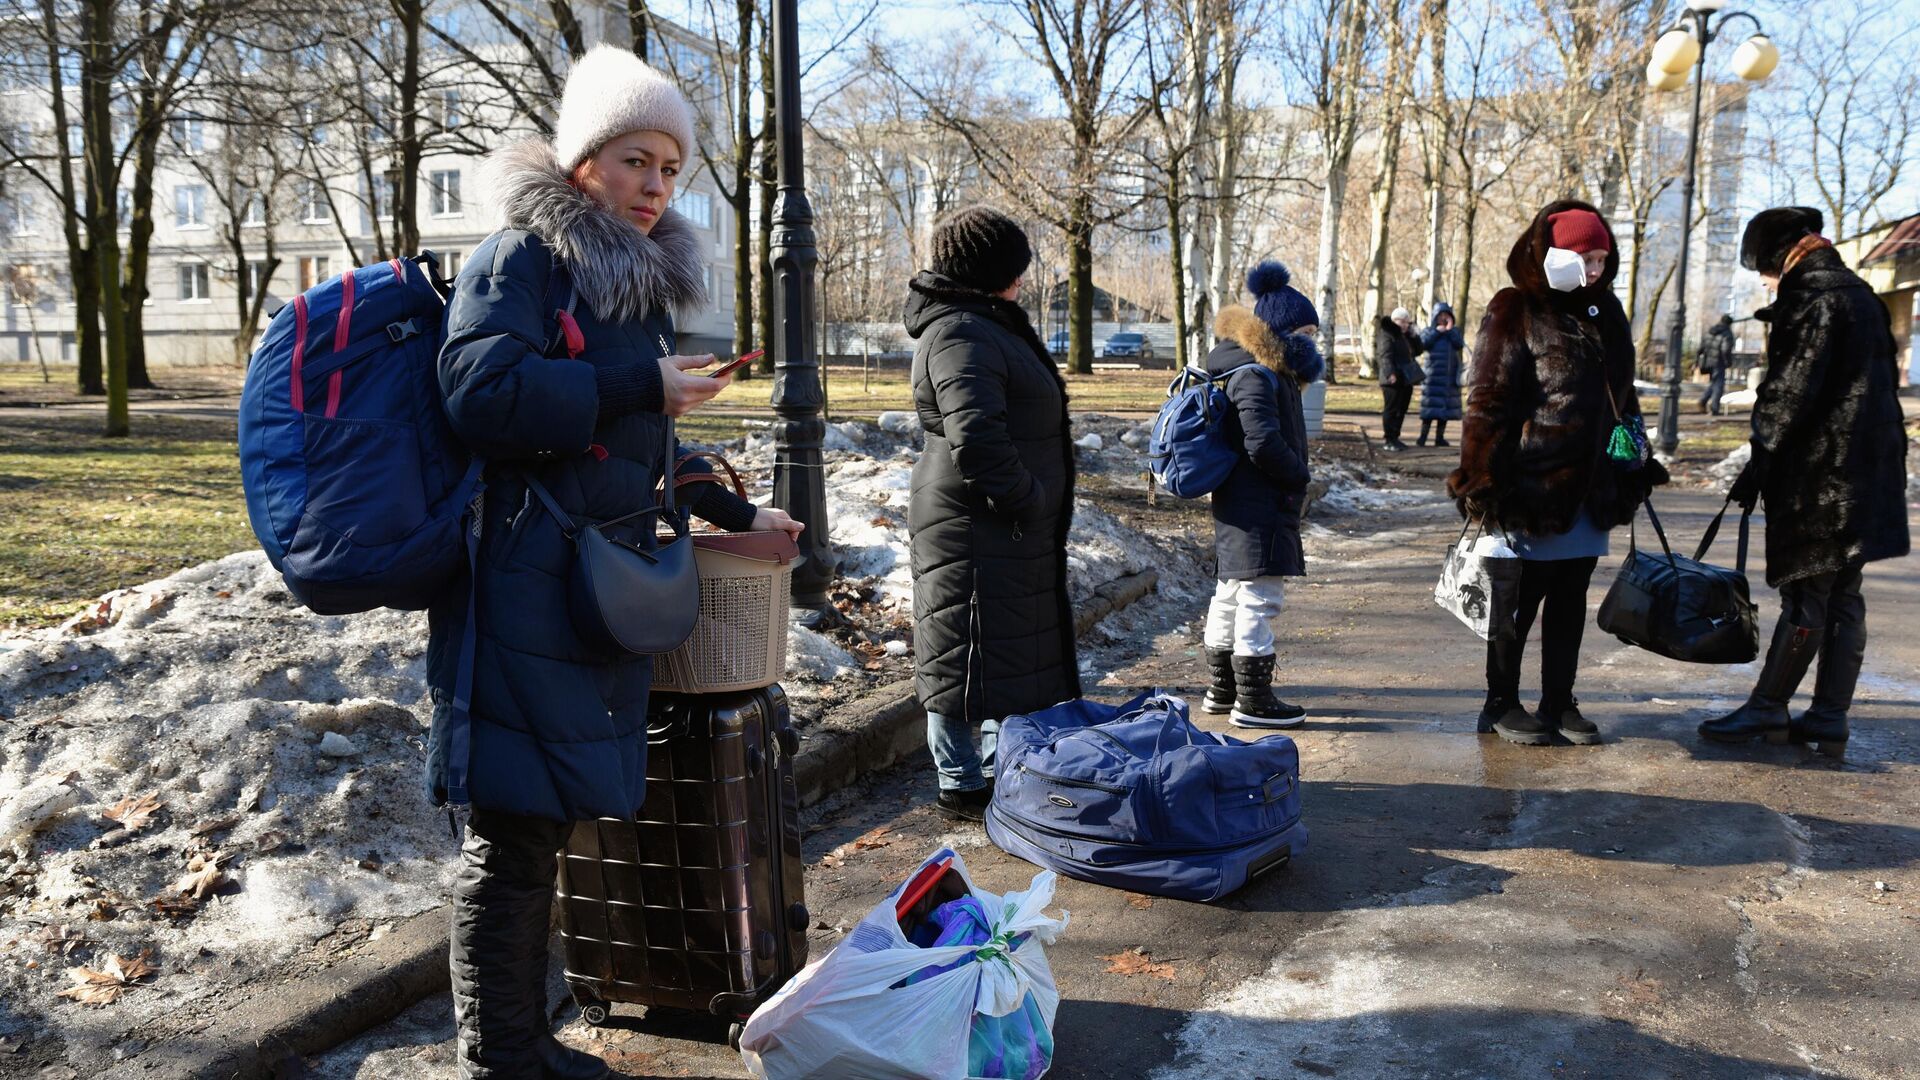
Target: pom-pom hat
(610,92)
(1278,304)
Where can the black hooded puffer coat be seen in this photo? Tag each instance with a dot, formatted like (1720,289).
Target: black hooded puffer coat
(991,505)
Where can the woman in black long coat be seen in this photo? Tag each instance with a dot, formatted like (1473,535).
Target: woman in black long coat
(992,500)
(1830,460)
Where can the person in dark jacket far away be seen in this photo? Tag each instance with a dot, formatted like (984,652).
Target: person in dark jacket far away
(1394,348)
(1716,356)
(1267,354)
(557,729)
(1830,462)
(1446,349)
(991,503)
(1553,375)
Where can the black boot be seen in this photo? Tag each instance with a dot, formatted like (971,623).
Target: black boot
(1425,426)
(1517,725)
(558,1061)
(1765,713)
(1220,694)
(502,900)
(1825,723)
(1566,719)
(1440,434)
(1254,702)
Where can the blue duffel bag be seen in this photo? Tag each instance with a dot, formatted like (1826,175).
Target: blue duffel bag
(1136,797)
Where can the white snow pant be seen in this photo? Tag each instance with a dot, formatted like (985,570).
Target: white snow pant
(1240,616)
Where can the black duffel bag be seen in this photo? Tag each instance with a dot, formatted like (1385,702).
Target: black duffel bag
(1682,608)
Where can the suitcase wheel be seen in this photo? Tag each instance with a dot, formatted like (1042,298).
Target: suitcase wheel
(595,1012)
(734,1031)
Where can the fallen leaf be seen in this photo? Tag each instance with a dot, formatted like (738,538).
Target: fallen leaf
(208,828)
(61,939)
(134,812)
(102,909)
(105,986)
(873,839)
(202,879)
(224,594)
(1136,962)
(175,907)
(1139,901)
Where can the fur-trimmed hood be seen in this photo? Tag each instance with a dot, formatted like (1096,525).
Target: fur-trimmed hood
(1291,354)
(619,272)
(1526,263)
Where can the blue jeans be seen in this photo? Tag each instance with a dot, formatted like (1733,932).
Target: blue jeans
(962,768)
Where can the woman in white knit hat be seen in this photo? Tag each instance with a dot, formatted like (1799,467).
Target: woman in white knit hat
(559,365)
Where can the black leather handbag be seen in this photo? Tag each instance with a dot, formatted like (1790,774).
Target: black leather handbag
(1681,608)
(623,597)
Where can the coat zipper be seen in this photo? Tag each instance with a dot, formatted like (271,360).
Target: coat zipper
(1067,781)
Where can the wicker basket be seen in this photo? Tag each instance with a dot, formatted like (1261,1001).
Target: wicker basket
(740,641)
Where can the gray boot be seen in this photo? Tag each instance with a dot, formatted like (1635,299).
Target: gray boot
(1765,713)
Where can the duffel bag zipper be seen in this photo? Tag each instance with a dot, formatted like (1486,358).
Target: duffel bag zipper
(1203,850)
(1071,782)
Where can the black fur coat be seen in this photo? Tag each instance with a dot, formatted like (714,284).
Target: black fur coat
(1534,440)
(1829,426)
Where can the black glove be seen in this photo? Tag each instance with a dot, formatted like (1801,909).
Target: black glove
(1746,489)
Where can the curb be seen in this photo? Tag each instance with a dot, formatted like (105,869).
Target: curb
(253,1031)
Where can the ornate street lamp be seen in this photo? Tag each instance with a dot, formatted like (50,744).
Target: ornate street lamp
(1679,49)
(799,473)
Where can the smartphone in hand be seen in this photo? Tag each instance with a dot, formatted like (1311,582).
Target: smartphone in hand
(734,365)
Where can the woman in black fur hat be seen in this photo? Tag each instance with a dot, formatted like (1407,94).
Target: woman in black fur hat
(1830,459)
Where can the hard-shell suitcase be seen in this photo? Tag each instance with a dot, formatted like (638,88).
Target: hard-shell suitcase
(697,903)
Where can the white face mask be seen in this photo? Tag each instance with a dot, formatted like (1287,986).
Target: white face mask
(1566,270)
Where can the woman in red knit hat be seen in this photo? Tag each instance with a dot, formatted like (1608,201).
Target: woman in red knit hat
(1553,377)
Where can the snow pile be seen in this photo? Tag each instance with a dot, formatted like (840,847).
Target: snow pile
(1350,490)
(1728,469)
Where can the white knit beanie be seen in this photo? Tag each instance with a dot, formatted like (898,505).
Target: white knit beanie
(609,92)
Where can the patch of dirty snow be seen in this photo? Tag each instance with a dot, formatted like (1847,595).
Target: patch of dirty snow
(1724,472)
(1351,490)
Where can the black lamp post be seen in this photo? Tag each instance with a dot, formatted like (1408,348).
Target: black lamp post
(1682,48)
(799,475)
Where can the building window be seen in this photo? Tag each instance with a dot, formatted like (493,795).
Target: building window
(446,193)
(190,206)
(315,127)
(194,282)
(189,134)
(253,208)
(16,213)
(314,208)
(450,115)
(17,138)
(695,206)
(259,281)
(450,263)
(379,204)
(313,271)
(123,208)
(76,141)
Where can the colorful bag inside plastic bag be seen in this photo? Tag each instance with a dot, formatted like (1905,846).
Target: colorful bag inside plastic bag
(969,994)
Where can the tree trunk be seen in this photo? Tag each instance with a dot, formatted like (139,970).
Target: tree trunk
(406,188)
(1333,204)
(1385,178)
(1440,117)
(1463,292)
(80,258)
(769,191)
(1080,286)
(1177,238)
(742,203)
(148,124)
(637,24)
(98,77)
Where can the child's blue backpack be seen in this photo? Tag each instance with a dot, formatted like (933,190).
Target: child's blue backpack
(1189,455)
(355,483)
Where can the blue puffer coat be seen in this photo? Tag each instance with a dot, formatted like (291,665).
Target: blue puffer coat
(558,729)
(1440,394)
(1256,512)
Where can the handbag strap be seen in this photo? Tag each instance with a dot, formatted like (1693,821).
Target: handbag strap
(726,466)
(1713,531)
(1657,531)
(665,507)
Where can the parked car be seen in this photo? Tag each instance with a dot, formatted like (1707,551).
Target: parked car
(1128,345)
(1057,344)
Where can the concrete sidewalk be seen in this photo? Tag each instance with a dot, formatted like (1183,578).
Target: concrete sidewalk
(1651,907)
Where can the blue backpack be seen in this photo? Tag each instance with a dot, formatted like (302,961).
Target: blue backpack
(1136,797)
(356,485)
(1188,454)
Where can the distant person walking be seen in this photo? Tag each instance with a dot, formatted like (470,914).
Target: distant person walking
(1716,356)
(1553,374)
(1394,347)
(992,500)
(1267,354)
(1830,461)
(1446,349)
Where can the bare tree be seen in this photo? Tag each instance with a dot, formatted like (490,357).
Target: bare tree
(1397,64)
(1327,48)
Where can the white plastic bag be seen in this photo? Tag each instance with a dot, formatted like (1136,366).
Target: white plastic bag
(1480,584)
(840,1017)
